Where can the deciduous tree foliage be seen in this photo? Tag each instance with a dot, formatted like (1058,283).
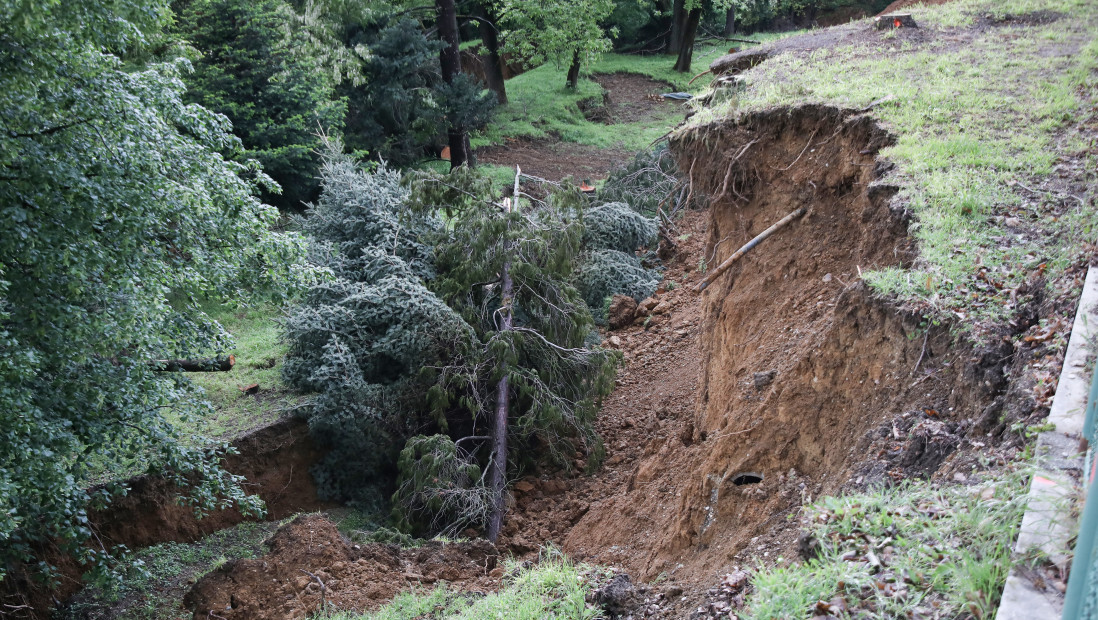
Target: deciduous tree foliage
(116,213)
(561,31)
(269,85)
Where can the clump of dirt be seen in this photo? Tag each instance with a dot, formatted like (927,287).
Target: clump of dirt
(312,566)
(631,97)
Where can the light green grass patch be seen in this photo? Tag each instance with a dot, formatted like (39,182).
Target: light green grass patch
(553,588)
(259,353)
(539,105)
(910,549)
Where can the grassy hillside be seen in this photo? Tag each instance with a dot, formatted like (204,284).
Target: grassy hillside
(986,99)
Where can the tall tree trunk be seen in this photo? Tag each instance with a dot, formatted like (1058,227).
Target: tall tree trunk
(493,65)
(574,71)
(450,59)
(678,24)
(730,22)
(497,478)
(690,31)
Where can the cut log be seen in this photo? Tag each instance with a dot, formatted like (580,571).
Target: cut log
(211,364)
(894,20)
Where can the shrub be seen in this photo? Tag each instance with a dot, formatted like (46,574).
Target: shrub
(361,340)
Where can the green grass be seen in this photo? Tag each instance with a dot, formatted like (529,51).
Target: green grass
(154,586)
(259,354)
(553,588)
(975,115)
(914,548)
(539,105)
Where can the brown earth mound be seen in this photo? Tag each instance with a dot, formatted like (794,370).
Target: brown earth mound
(311,566)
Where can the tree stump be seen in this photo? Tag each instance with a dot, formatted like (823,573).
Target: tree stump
(894,20)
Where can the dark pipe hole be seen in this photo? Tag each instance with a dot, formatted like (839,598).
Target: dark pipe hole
(747,478)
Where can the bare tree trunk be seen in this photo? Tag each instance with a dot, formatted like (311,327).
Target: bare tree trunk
(497,478)
(678,23)
(730,22)
(450,59)
(690,31)
(574,71)
(493,68)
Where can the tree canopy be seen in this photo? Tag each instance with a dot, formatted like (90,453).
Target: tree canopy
(117,214)
(562,31)
(268,84)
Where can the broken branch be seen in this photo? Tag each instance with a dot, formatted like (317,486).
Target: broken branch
(746,248)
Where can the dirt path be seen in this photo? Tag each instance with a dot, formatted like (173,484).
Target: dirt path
(629,98)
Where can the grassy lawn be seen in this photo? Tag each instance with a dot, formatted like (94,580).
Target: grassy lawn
(259,354)
(984,108)
(539,105)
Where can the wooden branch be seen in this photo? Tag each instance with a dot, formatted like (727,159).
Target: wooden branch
(212,364)
(746,248)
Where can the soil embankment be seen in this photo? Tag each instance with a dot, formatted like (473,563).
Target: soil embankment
(786,379)
(275,462)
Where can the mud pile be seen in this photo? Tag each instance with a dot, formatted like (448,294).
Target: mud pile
(311,567)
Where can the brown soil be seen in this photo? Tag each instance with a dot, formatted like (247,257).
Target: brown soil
(786,368)
(311,565)
(553,159)
(633,98)
(629,98)
(275,460)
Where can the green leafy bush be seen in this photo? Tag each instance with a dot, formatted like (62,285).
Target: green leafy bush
(116,210)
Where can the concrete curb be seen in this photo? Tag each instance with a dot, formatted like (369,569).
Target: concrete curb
(1047,524)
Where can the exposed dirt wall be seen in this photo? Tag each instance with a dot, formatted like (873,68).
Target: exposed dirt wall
(275,461)
(801,366)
